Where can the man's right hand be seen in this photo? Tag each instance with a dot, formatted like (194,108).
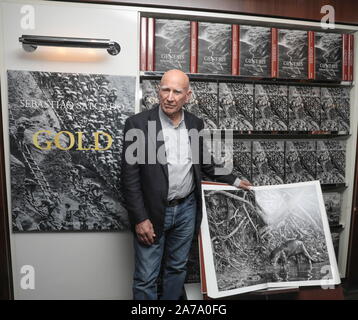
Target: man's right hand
(145,232)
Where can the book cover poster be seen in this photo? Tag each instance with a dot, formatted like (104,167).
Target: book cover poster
(255,51)
(328,56)
(268,162)
(236,106)
(242,159)
(172,45)
(292,54)
(65,148)
(333,203)
(271,108)
(331,160)
(335,109)
(150,94)
(304,108)
(268,237)
(214,48)
(300,161)
(204,103)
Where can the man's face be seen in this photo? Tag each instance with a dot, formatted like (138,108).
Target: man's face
(173,94)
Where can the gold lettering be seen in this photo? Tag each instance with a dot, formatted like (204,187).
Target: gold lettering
(96,139)
(36,141)
(80,139)
(57,140)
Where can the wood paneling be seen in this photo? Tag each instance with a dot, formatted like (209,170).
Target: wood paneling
(346,11)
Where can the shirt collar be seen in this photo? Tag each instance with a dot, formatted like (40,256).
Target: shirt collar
(164,117)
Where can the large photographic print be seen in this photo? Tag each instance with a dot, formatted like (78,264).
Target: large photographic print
(65,144)
(268,237)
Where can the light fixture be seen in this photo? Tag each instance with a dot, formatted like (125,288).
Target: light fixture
(30,43)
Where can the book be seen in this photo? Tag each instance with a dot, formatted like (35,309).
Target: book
(335,109)
(345,57)
(268,162)
(304,108)
(274,53)
(172,45)
(267,237)
(292,54)
(214,48)
(255,51)
(143,43)
(235,50)
(300,161)
(150,96)
(271,108)
(350,56)
(333,203)
(331,160)
(193,47)
(328,56)
(242,159)
(151,44)
(204,103)
(236,106)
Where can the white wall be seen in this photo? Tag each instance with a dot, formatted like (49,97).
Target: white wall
(70,265)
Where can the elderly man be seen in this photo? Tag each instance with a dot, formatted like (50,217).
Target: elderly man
(163,198)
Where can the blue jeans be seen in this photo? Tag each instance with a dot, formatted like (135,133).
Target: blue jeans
(175,243)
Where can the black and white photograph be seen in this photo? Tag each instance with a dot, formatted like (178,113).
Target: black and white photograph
(328,56)
(333,203)
(300,161)
(304,108)
(172,45)
(236,106)
(292,54)
(268,162)
(242,159)
(335,111)
(255,51)
(271,109)
(204,103)
(331,160)
(266,237)
(214,48)
(65,148)
(150,94)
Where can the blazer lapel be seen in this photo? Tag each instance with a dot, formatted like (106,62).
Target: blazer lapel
(158,139)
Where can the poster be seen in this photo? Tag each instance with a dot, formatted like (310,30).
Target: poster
(65,149)
(268,237)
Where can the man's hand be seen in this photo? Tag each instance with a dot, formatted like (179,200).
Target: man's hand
(244,184)
(145,232)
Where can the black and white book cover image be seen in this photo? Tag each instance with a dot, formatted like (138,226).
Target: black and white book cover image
(172,45)
(292,54)
(214,48)
(335,110)
(333,204)
(304,108)
(150,94)
(66,136)
(331,160)
(300,161)
(242,159)
(204,103)
(328,56)
(255,51)
(271,109)
(267,237)
(236,106)
(268,162)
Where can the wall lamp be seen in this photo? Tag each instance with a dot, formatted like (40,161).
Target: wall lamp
(30,43)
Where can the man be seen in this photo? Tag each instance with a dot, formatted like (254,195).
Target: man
(163,198)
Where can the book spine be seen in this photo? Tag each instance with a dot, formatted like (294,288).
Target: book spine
(143,43)
(235,50)
(274,53)
(345,57)
(350,56)
(311,55)
(193,47)
(151,45)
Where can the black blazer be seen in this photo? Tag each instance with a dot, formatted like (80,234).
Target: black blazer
(145,186)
